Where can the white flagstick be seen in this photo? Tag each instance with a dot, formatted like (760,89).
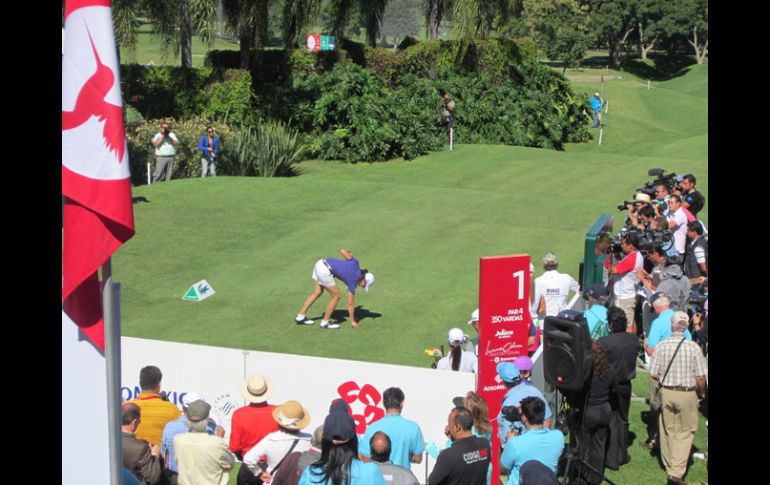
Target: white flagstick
(648,85)
(451,136)
(607,107)
(601,132)
(149,180)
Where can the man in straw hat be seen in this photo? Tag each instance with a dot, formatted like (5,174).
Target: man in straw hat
(201,458)
(339,448)
(324,272)
(291,418)
(252,422)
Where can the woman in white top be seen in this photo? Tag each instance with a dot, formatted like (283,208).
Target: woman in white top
(291,418)
(457,359)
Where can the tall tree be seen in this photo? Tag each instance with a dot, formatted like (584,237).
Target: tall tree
(401,18)
(371,12)
(248,20)
(434,13)
(125,23)
(612,22)
(177,19)
(296,15)
(689,19)
(560,28)
(649,29)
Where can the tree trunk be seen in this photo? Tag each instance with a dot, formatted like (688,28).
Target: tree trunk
(245,41)
(700,51)
(185,34)
(433,21)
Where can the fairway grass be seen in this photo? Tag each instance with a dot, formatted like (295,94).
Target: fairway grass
(420,226)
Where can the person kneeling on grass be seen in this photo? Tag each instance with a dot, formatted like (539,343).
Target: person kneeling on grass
(324,272)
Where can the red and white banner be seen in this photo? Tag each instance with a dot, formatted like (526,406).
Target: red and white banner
(98,213)
(98,218)
(504,321)
(313,42)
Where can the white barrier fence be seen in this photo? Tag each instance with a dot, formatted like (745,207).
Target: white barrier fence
(217,373)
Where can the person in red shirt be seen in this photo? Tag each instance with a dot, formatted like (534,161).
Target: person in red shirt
(252,422)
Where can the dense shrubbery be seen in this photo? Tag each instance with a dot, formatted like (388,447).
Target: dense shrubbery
(269,150)
(187,161)
(345,111)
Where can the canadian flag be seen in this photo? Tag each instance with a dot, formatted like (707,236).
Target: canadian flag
(98,213)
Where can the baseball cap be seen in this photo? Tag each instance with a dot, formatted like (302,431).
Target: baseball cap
(523,363)
(597,291)
(339,428)
(369,280)
(190,397)
(198,411)
(339,406)
(474,316)
(455,336)
(508,371)
(659,299)
(680,319)
(597,94)
(550,258)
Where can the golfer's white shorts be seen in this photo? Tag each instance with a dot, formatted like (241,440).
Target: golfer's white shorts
(322,274)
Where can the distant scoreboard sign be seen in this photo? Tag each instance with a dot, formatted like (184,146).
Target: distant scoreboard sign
(317,42)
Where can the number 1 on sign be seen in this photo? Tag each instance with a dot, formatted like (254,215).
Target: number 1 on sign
(520,276)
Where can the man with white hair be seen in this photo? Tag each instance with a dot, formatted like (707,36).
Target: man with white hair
(679,366)
(201,457)
(179,426)
(553,286)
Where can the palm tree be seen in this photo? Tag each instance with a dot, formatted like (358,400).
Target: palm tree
(434,12)
(125,23)
(296,15)
(371,10)
(176,19)
(247,19)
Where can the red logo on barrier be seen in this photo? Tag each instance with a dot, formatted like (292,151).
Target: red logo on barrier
(369,396)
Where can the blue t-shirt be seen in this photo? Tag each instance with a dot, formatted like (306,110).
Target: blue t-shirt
(512,398)
(593,315)
(660,329)
(360,474)
(405,438)
(596,103)
(347,270)
(543,445)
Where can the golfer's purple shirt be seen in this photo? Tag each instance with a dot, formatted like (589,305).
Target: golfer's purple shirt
(347,270)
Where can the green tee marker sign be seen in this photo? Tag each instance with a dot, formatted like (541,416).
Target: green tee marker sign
(199,291)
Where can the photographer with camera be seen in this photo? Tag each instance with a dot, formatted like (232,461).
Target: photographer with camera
(696,254)
(692,200)
(538,443)
(209,147)
(673,283)
(165,151)
(660,204)
(624,286)
(509,420)
(447,107)
(677,222)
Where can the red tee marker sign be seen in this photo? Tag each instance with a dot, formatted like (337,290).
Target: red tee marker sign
(313,42)
(504,321)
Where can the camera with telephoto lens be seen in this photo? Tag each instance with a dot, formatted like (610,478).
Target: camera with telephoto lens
(670,180)
(643,240)
(511,413)
(166,131)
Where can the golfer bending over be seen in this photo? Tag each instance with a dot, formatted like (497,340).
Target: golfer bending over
(324,272)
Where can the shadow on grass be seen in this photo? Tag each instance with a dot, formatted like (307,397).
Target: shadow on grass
(361,314)
(659,67)
(138,199)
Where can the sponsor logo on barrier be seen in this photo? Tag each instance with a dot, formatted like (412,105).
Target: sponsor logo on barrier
(493,388)
(502,352)
(367,397)
(502,333)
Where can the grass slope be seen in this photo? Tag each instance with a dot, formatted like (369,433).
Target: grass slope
(420,226)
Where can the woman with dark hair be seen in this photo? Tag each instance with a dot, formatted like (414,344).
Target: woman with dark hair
(596,417)
(458,359)
(339,464)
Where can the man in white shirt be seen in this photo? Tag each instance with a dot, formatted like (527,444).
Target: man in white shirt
(553,286)
(165,151)
(677,223)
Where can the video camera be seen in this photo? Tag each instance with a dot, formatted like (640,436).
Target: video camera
(511,413)
(670,180)
(643,240)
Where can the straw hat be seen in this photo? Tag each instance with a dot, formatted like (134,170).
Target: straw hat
(291,415)
(256,388)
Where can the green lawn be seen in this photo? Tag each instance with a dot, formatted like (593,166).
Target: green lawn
(149,49)
(419,226)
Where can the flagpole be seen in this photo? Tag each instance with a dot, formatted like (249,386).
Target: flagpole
(111,307)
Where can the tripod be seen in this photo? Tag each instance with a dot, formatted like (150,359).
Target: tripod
(576,464)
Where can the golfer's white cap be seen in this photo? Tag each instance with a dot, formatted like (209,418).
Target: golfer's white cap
(369,280)
(597,94)
(474,316)
(456,336)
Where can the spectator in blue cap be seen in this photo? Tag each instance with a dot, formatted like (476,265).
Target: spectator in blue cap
(518,389)
(596,315)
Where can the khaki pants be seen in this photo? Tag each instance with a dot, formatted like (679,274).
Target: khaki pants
(678,424)
(627,305)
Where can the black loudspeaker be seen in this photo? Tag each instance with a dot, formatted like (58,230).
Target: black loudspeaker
(567,355)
